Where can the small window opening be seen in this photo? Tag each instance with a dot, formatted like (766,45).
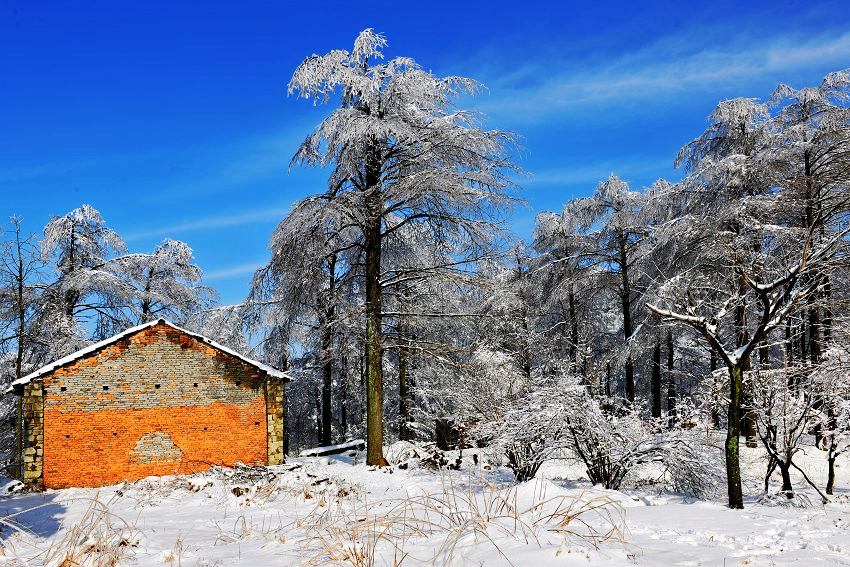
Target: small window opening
(238,382)
(256,423)
(156,386)
(105,387)
(195,384)
(62,388)
(115,433)
(67,437)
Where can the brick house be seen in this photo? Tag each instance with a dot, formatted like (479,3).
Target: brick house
(153,400)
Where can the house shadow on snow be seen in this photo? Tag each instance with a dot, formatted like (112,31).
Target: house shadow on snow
(35,513)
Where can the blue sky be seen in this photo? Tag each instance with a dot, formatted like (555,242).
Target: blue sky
(172,118)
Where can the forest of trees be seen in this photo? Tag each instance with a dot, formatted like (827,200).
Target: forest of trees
(633,325)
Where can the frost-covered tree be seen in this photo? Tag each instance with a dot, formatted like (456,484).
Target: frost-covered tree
(400,154)
(79,244)
(566,288)
(811,151)
(165,283)
(755,265)
(612,229)
(225,324)
(303,290)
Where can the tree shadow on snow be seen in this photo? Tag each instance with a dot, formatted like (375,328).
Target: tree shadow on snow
(37,513)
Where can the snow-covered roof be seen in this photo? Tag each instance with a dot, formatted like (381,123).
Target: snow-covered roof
(270,370)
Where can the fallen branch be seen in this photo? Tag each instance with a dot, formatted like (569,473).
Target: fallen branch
(356,445)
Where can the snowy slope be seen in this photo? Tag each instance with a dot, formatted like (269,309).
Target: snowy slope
(337,511)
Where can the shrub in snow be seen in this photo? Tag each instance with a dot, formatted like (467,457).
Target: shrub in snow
(609,439)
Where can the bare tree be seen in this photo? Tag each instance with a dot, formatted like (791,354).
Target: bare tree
(401,154)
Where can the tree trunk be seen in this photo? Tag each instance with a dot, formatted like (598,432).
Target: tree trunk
(343,396)
(19,438)
(327,355)
(814,335)
(830,478)
(327,385)
(608,379)
(671,381)
(627,317)
(318,400)
(787,488)
(19,358)
(71,297)
(827,312)
(771,466)
(715,401)
(573,332)
(742,337)
(403,392)
(789,345)
(655,383)
(22,309)
(748,420)
(284,365)
(146,302)
(362,368)
(374,332)
(733,462)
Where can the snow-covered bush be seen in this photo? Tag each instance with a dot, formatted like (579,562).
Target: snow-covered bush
(562,420)
(614,441)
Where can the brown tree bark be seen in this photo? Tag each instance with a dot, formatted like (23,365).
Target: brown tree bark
(830,476)
(374,332)
(733,463)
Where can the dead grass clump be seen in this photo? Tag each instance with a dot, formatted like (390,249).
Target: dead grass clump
(243,529)
(459,519)
(99,538)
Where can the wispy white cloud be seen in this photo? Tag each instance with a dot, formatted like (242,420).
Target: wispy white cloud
(209,223)
(232,271)
(674,64)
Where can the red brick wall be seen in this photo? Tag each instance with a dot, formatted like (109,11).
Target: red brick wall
(157,402)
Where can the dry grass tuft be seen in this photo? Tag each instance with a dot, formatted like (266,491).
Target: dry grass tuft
(99,538)
(456,518)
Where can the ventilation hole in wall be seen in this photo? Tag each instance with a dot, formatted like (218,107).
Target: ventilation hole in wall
(62,388)
(156,386)
(238,383)
(205,428)
(195,384)
(67,437)
(256,423)
(106,388)
(115,433)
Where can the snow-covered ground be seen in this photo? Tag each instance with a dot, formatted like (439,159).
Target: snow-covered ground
(337,511)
